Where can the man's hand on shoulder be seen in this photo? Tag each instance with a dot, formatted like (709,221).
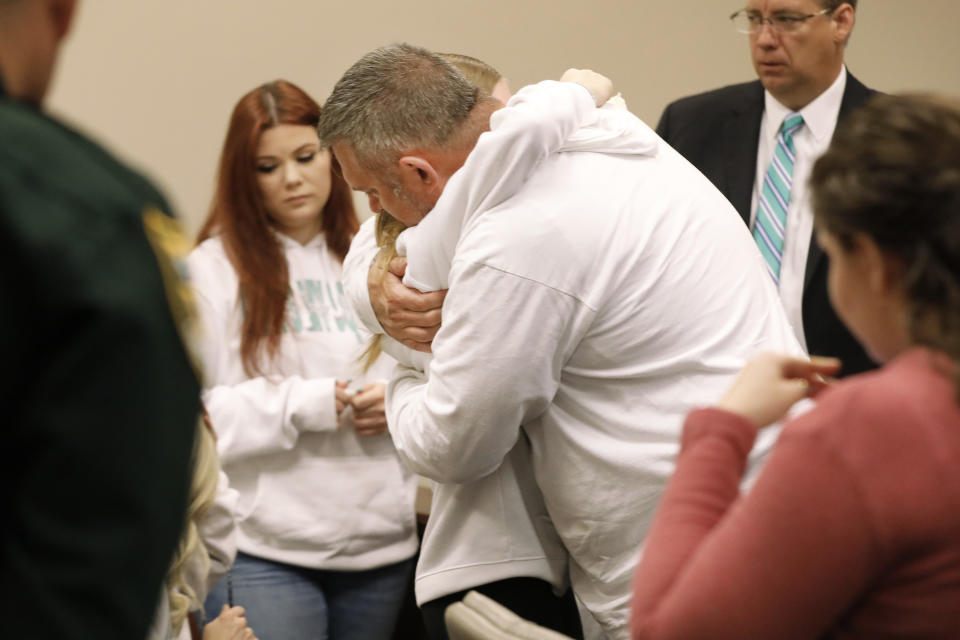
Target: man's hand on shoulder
(406,315)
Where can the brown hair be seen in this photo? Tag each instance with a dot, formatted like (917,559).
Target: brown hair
(239,215)
(892,172)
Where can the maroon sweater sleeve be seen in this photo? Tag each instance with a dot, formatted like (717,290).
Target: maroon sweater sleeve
(783,562)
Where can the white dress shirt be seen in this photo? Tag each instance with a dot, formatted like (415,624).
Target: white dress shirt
(811,140)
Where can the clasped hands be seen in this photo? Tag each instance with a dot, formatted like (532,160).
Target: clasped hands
(367,402)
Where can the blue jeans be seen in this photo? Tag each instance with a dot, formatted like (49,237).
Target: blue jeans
(284,602)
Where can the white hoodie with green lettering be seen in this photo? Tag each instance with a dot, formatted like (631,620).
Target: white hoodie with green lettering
(312,492)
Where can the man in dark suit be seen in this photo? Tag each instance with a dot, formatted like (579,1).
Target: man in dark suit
(749,141)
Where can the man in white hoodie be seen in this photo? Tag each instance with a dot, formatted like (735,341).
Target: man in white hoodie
(609,293)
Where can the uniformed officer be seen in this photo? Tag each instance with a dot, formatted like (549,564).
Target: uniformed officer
(99,394)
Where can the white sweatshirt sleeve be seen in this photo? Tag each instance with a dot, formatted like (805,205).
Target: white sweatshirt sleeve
(258,415)
(496,366)
(363,249)
(534,124)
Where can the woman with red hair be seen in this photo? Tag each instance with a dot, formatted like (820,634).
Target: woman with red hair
(326,529)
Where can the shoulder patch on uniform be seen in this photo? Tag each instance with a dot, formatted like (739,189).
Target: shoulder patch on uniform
(171,248)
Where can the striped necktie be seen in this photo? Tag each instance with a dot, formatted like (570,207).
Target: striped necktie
(769,227)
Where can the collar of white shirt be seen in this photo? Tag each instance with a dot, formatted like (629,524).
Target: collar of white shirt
(819,117)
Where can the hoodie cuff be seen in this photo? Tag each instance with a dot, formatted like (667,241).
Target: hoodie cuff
(312,406)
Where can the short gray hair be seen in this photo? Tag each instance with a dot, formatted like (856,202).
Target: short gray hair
(394,99)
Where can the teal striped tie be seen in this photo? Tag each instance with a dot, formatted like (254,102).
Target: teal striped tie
(771,222)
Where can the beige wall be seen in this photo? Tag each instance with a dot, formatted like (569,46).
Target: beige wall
(156,79)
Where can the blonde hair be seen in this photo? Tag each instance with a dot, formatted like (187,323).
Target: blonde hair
(479,74)
(203,490)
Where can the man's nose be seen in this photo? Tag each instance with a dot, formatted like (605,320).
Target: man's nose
(766,36)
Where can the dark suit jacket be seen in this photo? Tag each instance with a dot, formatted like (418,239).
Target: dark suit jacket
(718,132)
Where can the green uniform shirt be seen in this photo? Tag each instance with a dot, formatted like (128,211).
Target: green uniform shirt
(98,392)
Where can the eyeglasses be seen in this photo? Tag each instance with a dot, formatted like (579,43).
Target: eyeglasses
(747,21)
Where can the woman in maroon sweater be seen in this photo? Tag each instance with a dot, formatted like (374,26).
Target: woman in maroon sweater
(852,529)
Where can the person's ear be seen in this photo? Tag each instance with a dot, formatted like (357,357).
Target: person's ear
(883,272)
(843,19)
(418,173)
(61,16)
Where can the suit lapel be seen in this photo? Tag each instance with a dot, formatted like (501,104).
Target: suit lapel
(741,133)
(854,96)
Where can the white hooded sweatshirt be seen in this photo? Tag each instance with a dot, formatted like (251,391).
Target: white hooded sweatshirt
(312,492)
(496,527)
(611,292)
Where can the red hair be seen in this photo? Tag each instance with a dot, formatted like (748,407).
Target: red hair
(239,216)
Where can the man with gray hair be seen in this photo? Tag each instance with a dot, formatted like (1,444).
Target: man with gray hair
(395,100)
(592,305)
